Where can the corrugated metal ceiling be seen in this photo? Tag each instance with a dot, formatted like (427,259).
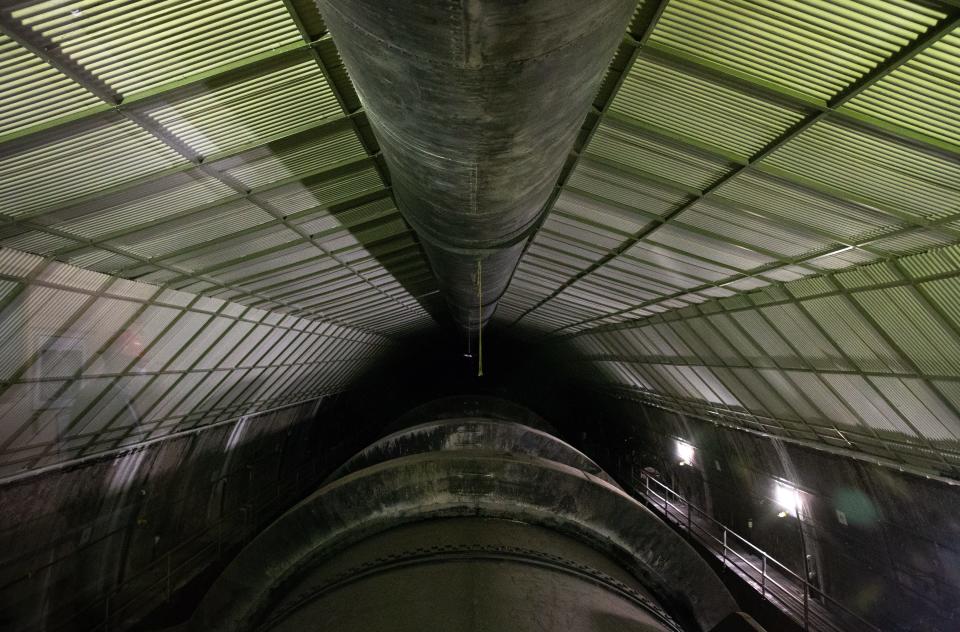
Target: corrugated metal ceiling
(759,221)
(753,161)
(208,227)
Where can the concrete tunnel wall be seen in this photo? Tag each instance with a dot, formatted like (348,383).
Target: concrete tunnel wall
(882,542)
(81,534)
(101,544)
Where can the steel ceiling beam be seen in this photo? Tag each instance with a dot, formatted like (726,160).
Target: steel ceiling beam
(648,18)
(50,54)
(716,73)
(115,103)
(366,139)
(930,37)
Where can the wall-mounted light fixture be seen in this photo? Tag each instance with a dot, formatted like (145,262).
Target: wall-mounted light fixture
(684,452)
(787,498)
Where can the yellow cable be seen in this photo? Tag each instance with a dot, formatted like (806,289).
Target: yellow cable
(479,319)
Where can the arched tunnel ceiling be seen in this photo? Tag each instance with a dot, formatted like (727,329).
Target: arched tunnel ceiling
(758,223)
(213,147)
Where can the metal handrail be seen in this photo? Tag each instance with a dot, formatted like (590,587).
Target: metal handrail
(770,589)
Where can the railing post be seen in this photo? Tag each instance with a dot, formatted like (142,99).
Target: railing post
(689,518)
(724,546)
(763,577)
(666,507)
(806,605)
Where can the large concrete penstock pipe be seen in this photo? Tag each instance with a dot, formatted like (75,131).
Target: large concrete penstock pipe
(476,105)
(466,525)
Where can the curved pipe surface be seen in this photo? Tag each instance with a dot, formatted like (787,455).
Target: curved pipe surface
(476,105)
(501,472)
(463,434)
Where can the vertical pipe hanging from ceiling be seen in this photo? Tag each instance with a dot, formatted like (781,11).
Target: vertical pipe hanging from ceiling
(476,105)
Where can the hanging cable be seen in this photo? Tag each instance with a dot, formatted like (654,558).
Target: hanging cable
(469,353)
(479,318)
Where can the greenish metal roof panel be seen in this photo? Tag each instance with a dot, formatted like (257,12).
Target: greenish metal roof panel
(656,157)
(133,46)
(65,170)
(699,109)
(890,176)
(256,110)
(921,95)
(33,91)
(814,47)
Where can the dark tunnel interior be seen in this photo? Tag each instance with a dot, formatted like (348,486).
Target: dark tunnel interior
(394,315)
(160,522)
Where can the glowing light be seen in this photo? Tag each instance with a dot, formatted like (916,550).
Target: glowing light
(787,498)
(685,453)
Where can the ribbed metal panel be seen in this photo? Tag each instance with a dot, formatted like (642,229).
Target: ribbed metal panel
(573,254)
(640,273)
(793,325)
(811,47)
(868,404)
(88,332)
(231,83)
(29,322)
(776,199)
(252,112)
(33,91)
(201,228)
(921,95)
(752,231)
(854,335)
(598,212)
(892,177)
(811,286)
(677,262)
(132,46)
(927,341)
(745,347)
(621,189)
(912,243)
(700,110)
(227,250)
(712,292)
(65,170)
(767,339)
(940,261)
(787,273)
(864,276)
(181,193)
(295,198)
(842,259)
(312,153)
(569,228)
(709,248)
(921,406)
(944,295)
(366,212)
(39,242)
(75,278)
(747,284)
(657,158)
(830,408)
